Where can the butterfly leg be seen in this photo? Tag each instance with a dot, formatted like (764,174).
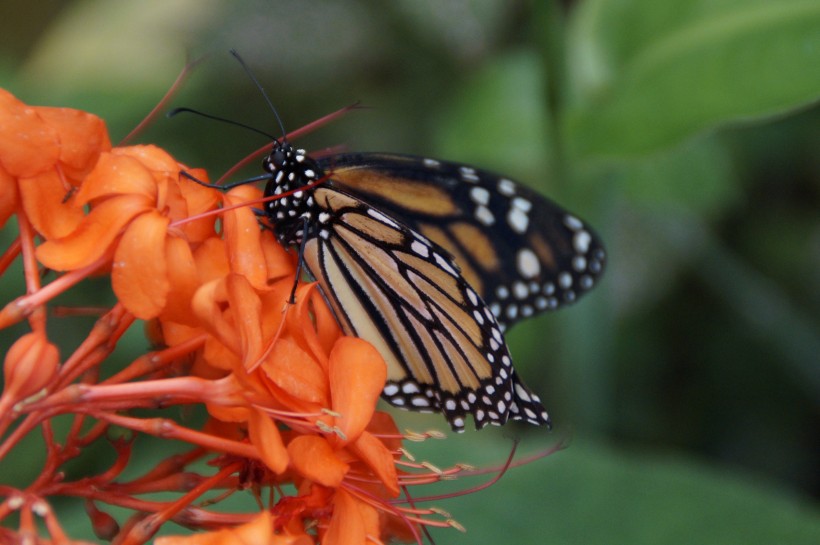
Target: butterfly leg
(300,259)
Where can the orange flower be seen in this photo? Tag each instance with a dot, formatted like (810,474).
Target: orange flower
(292,402)
(258,531)
(47,152)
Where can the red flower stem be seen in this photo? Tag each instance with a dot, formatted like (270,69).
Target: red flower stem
(298,133)
(10,254)
(31,272)
(146,528)
(151,362)
(168,429)
(183,75)
(97,345)
(58,536)
(23,306)
(170,466)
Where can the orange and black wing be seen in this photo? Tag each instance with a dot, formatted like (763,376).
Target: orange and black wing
(520,252)
(402,292)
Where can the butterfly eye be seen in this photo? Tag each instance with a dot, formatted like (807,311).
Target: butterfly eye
(277,157)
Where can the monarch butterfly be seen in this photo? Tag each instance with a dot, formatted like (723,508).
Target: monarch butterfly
(430,261)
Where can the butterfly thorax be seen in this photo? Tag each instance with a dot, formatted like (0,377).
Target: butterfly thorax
(290,169)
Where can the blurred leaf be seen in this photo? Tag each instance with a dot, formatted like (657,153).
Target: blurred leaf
(98,44)
(697,177)
(498,119)
(648,74)
(596,495)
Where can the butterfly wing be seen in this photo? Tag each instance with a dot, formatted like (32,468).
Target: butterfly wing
(522,253)
(404,294)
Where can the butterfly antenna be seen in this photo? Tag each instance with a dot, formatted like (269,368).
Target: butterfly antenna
(176,111)
(261,90)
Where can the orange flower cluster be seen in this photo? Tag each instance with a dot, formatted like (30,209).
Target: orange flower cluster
(291,400)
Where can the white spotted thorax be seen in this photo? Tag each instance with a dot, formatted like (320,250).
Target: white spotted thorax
(290,169)
(431,261)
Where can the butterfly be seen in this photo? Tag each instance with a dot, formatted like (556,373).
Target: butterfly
(430,261)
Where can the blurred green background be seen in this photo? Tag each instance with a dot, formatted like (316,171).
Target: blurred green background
(686,132)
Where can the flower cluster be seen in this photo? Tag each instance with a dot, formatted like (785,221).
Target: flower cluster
(290,400)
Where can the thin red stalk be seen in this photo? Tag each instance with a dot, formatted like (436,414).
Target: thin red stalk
(99,340)
(25,305)
(31,272)
(298,133)
(183,75)
(168,429)
(10,254)
(149,526)
(148,363)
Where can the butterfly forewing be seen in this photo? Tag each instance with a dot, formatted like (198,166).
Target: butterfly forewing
(393,287)
(522,253)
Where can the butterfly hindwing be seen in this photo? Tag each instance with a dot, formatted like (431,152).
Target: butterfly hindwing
(402,292)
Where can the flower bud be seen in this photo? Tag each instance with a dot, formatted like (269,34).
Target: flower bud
(30,363)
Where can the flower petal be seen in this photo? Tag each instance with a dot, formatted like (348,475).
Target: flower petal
(8,196)
(117,174)
(83,136)
(296,372)
(184,282)
(246,309)
(266,437)
(243,240)
(375,454)
(357,374)
(94,235)
(44,200)
(314,458)
(28,145)
(140,273)
(347,525)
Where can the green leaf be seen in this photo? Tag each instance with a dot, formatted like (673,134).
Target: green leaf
(592,494)
(498,120)
(645,75)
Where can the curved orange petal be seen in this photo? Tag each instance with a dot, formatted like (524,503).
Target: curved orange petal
(280,262)
(117,175)
(139,275)
(184,281)
(94,235)
(28,145)
(83,136)
(44,200)
(208,308)
(265,436)
(292,369)
(194,199)
(314,458)
(327,327)
(211,260)
(243,240)
(8,196)
(300,323)
(347,525)
(153,157)
(369,449)
(246,309)
(357,374)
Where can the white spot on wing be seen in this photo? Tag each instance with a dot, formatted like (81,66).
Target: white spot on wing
(483,214)
(528,264)
(480,195)
(518,220)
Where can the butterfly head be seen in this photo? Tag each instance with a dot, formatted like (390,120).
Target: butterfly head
(290,170)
